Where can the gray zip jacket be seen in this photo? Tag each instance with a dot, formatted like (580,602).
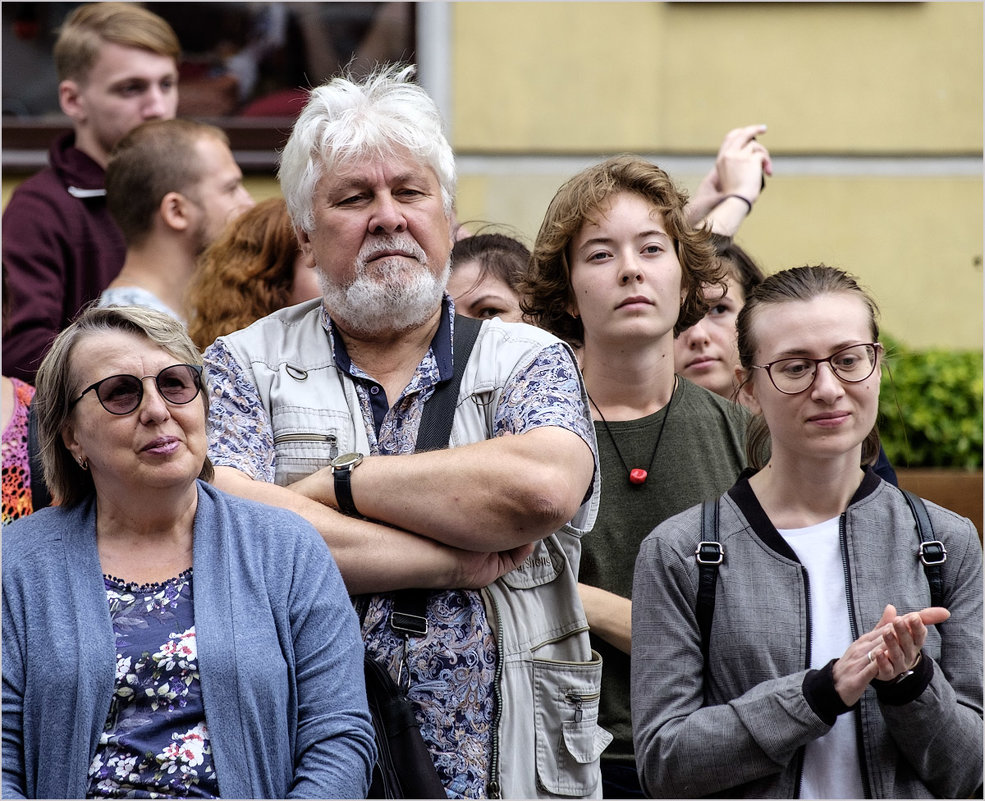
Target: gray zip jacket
(739,729)
(547,742)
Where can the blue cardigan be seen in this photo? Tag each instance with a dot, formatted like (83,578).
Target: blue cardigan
(280,656)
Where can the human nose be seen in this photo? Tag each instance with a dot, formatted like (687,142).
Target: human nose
(155,103)
(696,335)
(387,217)
(827,386)
(629,270)
(153,407)
(245,199)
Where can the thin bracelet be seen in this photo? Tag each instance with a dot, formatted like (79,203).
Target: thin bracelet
(745,200)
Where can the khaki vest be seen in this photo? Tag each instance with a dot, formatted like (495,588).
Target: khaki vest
(548,740)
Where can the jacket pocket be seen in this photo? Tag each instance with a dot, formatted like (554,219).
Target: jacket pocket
(569,740)
(306,440)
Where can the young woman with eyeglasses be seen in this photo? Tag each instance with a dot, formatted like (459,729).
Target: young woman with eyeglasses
(161,638)
(828,672)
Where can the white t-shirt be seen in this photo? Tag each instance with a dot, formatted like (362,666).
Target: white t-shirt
(831,765)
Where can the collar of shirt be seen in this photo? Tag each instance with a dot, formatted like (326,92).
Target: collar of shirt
(441,350)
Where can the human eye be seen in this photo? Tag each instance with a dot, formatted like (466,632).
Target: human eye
(718,310)
(793,368)
(652,249)
(851,360)
(167,84)
(131,88)
(598,256)
(350,199)
(487,312)
(118,390)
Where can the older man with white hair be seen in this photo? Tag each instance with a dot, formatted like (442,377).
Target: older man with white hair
(317,408)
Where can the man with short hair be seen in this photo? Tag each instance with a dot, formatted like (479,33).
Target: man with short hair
(117,67)
(317,408)
(172,186)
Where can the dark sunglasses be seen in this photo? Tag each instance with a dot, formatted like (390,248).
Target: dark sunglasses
(122,394)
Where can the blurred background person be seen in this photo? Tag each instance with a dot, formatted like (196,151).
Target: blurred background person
(254,268)
(117,67)
(486,269)
(706,352)
(172,186)
(159,636)
(15,402)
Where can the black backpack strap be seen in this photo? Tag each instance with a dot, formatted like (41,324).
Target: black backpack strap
(709,555)
(40,497)
(439,411)
(932,553)
(409,615)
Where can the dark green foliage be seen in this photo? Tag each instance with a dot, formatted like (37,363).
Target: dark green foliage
(939,393)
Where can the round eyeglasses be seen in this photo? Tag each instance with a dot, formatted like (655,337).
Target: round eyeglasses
(851,365)
(122,394)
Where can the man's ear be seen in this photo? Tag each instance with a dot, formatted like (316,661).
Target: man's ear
(304,243)
(70,100)
(175,210)
(747,393)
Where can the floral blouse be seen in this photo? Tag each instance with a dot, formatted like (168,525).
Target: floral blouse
(16,468)
(155,743)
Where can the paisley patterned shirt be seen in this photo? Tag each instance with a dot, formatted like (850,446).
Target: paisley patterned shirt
(449,673)
(155,743)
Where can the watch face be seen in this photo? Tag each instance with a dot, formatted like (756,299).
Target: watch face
(346,460)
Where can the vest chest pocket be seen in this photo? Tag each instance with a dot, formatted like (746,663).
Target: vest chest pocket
(301,453)
(306,440)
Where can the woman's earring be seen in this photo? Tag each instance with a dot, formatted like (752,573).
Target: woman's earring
(83,463)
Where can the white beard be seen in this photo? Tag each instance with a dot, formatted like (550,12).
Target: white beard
(389,296)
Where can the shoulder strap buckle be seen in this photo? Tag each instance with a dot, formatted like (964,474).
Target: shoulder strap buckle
(933,552)
(709,553)
(408,624)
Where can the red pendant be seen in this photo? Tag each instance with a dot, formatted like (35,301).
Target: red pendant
(637,476)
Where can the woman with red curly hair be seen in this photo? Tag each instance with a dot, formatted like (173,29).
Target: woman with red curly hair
(253,269)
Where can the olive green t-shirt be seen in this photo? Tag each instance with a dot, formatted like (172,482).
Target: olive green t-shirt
(700,455)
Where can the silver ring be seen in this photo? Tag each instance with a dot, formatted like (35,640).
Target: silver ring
(870,657)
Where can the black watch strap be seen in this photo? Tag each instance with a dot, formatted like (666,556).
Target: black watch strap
(343,490)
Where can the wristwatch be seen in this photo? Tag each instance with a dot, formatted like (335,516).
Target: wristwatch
(342,467)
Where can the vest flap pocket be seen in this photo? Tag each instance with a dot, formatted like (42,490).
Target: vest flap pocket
(568,738)
(585,743)
(542,566)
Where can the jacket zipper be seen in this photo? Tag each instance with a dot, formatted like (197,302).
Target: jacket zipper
(578,700)
(331,439)
(493,789)
(859,741)
(802,751)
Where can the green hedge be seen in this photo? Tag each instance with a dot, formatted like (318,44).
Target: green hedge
(939,393)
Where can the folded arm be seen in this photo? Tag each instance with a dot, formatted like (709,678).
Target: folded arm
(374,557)
(489,496)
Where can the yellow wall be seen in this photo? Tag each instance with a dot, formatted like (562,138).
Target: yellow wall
(880,83)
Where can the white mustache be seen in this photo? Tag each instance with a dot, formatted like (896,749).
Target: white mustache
(404,244)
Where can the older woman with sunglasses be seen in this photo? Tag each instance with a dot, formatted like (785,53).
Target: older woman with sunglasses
(831,653)
(159,637)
